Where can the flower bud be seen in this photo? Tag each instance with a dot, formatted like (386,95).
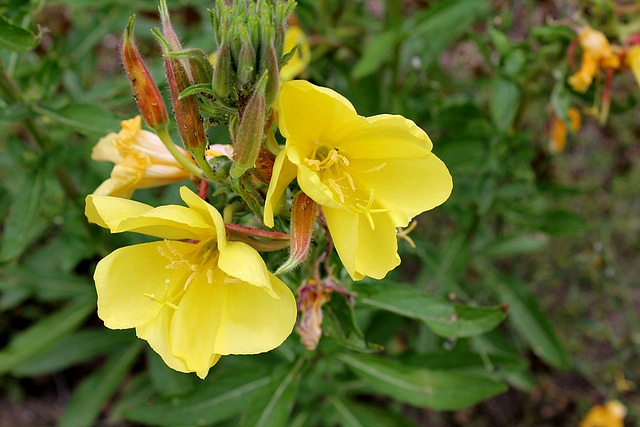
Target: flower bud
(223,72)
(247,59)
(145,90)
(269,63)
(186,111)
(304,211)
(250,131)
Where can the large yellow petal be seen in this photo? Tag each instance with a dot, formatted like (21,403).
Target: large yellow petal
(283,173)
(156,333)
(363,251)
(126,281)
(230,318)
(207,212)
(168,222)
(242,262)
(310,113)
(108,211)
(343,226)
(407,187)
(384,136)
(377,248)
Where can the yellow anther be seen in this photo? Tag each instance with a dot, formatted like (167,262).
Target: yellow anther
(404,233)
(350,179)
(335,187)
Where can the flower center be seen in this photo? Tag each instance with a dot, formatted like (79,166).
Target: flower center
(331,167)
(202,260)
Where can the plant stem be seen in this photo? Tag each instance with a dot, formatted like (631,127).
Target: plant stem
(163,134)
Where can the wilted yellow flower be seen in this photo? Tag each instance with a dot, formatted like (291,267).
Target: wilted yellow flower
(369,174)
(141,161)
(192,301)
(312,297)
(610,415)
(299,61)
(596,54)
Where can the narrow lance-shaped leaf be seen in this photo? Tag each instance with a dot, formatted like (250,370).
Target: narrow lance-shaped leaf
(441,390)
(272,405)
(443,317)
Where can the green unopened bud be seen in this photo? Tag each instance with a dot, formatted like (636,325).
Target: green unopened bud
(248,141)
(223,78)
(145,90)
(269,64)
(247,59)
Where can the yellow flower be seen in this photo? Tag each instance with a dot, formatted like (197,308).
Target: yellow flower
(141,161)
(596,53)
(299,61)
(192,301)
(369,174)
(610,415)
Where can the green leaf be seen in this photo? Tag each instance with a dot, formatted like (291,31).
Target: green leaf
(351,414)
(167,381)
(438,26)
(340,326)
(19,225)
(34,341)
(505,97)
(46,287)
(515,245)
(443,317)
(86,118)
(529,319)
(210,403)
(16,38)
(469,321)
(440,390)
(553,221)
(272,405)
(95,390)
(74,349)
(375,54)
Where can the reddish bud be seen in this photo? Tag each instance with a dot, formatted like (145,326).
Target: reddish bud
(186,111)
(303,216)
(145,90)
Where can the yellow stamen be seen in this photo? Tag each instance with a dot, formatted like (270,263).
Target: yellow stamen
(404,233)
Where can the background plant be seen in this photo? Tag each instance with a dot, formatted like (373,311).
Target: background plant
(550,235)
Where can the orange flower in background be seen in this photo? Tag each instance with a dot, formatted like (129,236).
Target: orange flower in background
(558,132)
(611,414)
(597,53)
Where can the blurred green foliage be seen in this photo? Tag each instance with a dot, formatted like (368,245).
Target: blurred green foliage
(472,73)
